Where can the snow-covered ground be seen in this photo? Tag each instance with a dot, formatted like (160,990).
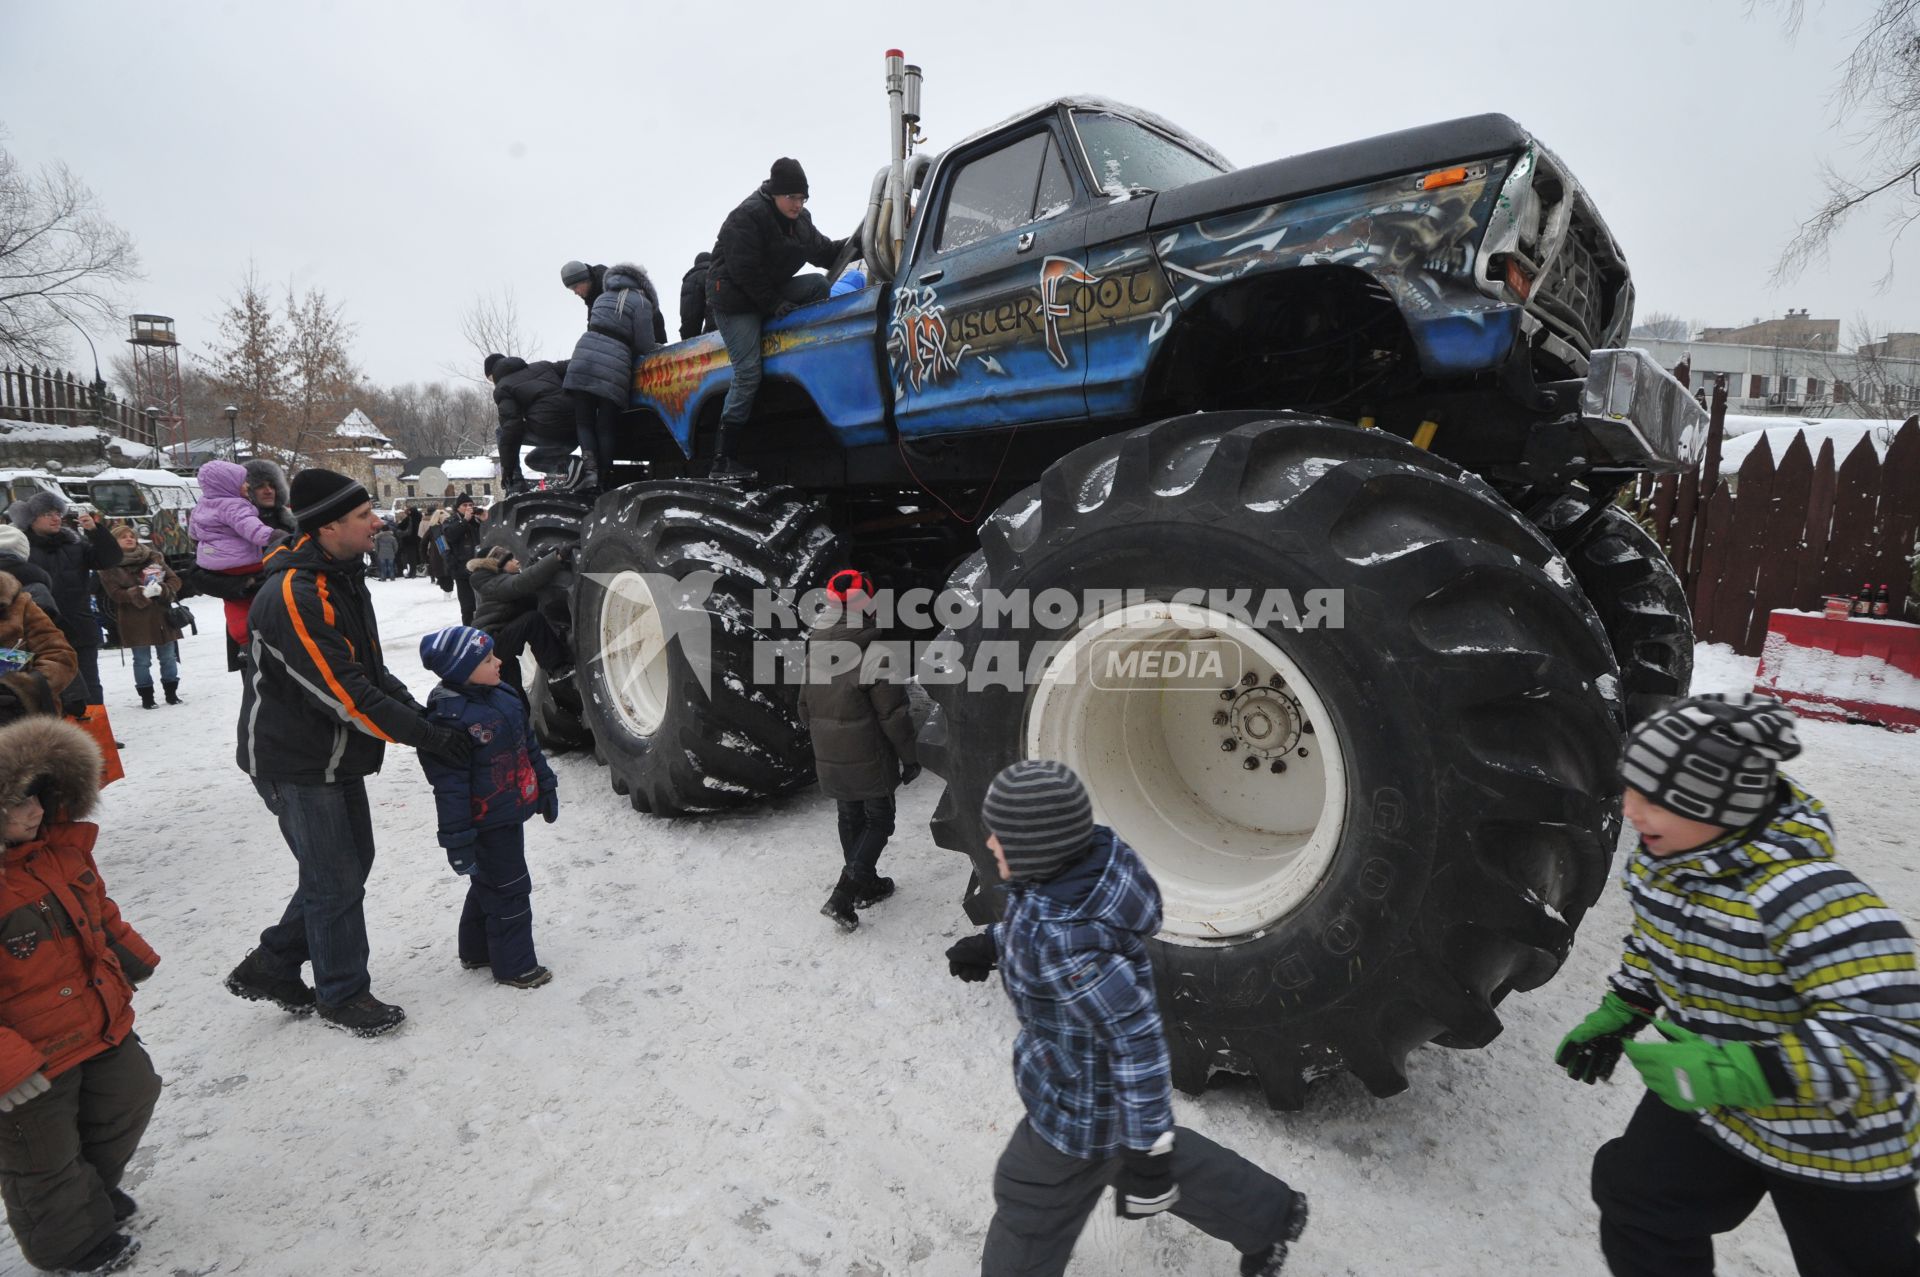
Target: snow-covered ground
(719,1082)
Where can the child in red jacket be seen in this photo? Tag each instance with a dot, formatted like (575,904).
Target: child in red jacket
(76,1087)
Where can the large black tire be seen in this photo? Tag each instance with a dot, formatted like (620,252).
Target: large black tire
(1637,595)
(697,731)
(529,523)
(1469,690)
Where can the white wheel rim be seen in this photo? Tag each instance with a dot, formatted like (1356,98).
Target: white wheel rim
(1233,849)
(633,653)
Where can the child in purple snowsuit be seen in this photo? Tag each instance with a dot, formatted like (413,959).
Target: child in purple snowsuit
(232,537)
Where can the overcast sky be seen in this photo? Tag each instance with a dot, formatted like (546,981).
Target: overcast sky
(408,157)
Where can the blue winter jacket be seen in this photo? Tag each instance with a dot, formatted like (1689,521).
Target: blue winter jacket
(619,331)
(502,783)
(1091,1060)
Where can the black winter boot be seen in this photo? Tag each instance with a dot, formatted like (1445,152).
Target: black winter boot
(172,690)
(365,1016)
(872,892)
(724,467)
(839,905)
(146,697)
(252,981)
(115,1251)
(1269,1262)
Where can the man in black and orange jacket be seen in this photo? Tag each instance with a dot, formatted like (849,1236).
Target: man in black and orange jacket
(318,709)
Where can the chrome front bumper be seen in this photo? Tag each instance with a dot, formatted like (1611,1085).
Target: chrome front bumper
(1640,414)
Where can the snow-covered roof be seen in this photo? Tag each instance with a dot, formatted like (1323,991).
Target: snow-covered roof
(358,425)
(468,467)
(387,454)
(1744,434)
(159,478)
(49,433)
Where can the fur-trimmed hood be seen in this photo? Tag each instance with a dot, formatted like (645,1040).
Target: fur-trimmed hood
(636,277)
(52,750)
(263,470)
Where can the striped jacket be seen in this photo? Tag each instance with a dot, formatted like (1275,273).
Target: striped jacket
(1761,938)
(317,703)
(1091,1060)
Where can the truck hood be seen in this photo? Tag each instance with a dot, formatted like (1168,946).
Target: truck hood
(1430,146)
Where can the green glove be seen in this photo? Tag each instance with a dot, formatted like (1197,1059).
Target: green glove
(1690,1073)
(1589,1053)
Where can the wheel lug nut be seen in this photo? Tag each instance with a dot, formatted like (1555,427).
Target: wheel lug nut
(1303,751)
(1249,679)
(1279,765)
(1220,718)
(1227,695)
(1276,681)
(1251,764)
(1228,745)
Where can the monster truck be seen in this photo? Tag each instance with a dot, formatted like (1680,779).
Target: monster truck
(1351,422)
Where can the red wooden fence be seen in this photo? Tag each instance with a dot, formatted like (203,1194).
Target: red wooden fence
(1786,530)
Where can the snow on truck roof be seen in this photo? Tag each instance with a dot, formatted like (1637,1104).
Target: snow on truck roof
(1089,102)
(158,478)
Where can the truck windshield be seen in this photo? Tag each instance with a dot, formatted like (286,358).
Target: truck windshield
(1127,156)
(118,499)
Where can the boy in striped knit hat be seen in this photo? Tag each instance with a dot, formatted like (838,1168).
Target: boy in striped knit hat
(1091,1060)
(1786,1061)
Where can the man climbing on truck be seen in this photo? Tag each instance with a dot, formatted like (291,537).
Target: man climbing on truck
(751,279)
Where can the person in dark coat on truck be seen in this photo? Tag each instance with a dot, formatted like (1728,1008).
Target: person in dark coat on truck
(751,280)
(693,299)
(600,375)
(534,409)
(862,743)
(509,612)
(71,556)
(461,532)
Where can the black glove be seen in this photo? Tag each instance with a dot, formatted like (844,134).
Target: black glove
(784,309)
(1145,1186)
(449,746)
(568,552)
(909,772)
(973,958)
(549,805)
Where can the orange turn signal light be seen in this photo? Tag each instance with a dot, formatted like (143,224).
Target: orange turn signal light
(1445,177)
(1517,279)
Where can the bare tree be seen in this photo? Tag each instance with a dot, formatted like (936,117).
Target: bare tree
(491,325)
(321,377)
(62,262)
(1664,326)
(248,363)
(1878,98)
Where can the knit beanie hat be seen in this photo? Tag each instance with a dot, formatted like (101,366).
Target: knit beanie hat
(13,541)
(1041,814)
(787,178)
(1712,758)
(487,364)
(321,496)
(575,273)
(455,652)
(42,502)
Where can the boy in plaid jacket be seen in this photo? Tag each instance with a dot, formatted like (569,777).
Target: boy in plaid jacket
(1785,1059)
(1091,1059)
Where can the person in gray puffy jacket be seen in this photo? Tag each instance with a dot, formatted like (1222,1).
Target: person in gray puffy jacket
(620,329)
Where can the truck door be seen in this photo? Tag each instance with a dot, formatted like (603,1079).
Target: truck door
(985,331)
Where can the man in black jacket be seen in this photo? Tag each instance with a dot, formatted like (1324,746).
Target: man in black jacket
(751,280)
(71,557)
(693,299)
(509,609)
(533,410)
(317,709)
(588,282)
(462,535)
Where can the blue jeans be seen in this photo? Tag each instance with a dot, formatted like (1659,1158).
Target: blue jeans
(496,927)
(143,664)
(386,567)
(741,331)
(865,826)
(329,828)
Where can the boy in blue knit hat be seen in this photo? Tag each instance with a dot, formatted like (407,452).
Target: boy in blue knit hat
(1786,1007)
(483,805)
(1091,1060)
